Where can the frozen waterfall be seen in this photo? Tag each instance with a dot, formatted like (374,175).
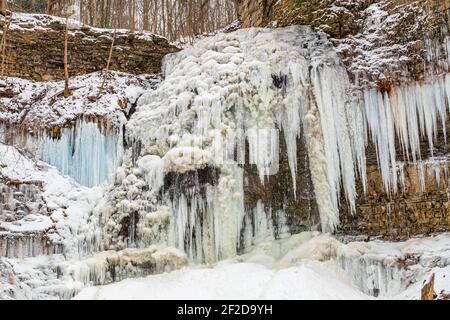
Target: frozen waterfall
(230,98)
(83,152)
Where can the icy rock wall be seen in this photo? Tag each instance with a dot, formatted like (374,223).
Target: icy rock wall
(232,109)
(14,245)
(200,212)
(372,276)
(20,199)
(224,102)
(210,222)
(83,152)
(23,201)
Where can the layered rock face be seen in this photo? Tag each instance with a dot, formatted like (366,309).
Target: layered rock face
(35,49)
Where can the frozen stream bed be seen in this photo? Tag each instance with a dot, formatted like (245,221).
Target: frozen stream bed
(312,280)
(304,266)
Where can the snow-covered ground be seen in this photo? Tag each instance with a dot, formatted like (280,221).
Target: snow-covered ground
(235,281)
(304,266)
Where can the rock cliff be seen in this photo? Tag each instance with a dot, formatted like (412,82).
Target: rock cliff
(35,49)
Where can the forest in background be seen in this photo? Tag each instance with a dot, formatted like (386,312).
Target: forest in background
(173,19)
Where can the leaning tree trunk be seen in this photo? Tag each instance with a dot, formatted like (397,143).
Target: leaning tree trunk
(4,8)
(66,67)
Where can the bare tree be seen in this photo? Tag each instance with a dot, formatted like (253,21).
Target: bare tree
(4,8)
(66,62)
(106,71)
(174,19)
(7,14)
(3,47)
(55,7)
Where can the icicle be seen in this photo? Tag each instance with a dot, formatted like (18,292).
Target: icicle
(236,89)
(83,152)
(153,168)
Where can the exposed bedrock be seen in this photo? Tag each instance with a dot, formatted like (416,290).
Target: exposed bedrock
(299,205)
(36,49)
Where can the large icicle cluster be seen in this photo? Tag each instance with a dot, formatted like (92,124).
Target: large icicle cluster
(236,89)
(84,153)
(406,115)
(85,150)
(248,87)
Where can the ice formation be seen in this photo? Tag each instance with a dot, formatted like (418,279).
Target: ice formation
(80,135)
(47,214)
(292,81)
(245,88)
(84,153)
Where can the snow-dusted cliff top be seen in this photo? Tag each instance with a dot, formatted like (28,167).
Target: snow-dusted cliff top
(44,22)
(35,48)
(39,105)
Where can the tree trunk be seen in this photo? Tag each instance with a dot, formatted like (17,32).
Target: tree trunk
(105,72)
(3,47)
(4,8)
(66,63)
(119,10)
(145,10)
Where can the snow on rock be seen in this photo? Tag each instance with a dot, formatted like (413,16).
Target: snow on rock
(36,45)
(40,105)
(80,135)
(396,42)
(111,266)
(183,159)
(388,269)
(31,21)
(65,208)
